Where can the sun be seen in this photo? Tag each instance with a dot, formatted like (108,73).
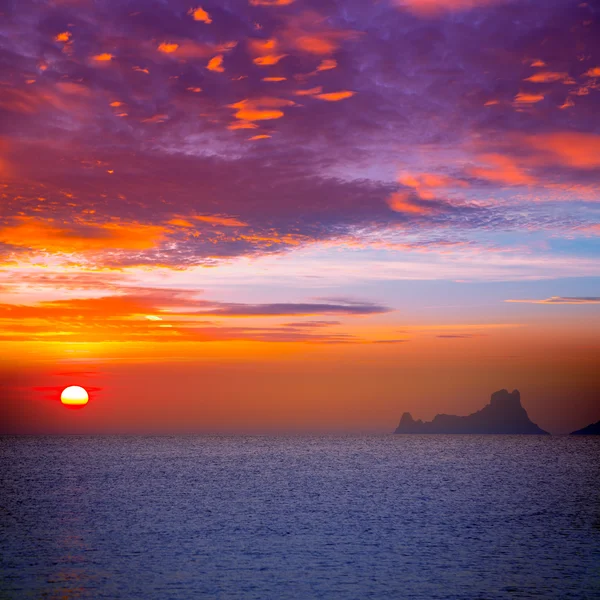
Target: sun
(74,396)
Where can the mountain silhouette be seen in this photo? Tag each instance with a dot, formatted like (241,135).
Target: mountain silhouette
(593,429)
(504,414)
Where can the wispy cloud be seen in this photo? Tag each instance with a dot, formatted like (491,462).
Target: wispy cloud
(561,300)
(171,314)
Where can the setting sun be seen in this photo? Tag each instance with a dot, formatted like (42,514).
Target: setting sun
(74,397)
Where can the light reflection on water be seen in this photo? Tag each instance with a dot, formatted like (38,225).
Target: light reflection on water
(300,517)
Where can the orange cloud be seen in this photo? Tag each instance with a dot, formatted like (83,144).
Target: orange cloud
(309,92)
(550,77)
(525,98)
(199,14)
(260,47)
(433,7)
(264,101)
(185,221)
(423,183)
(216,64)
(315,44)
(188,49)
(403,202)
(104,57)
(258,115)
(149,314)
(274,78)
(217,220)
(265,52)
(594,72)
(503,170)
(309,32)
(567,103)
(271,2)
(268,59)
(70,88)
(168,48)
(336,96)
(35,234)
(178,222)
(260,109)
(327,64)
(158,118)
(65,36)
(263,136)
(64,95)
(580,150)
(242,125)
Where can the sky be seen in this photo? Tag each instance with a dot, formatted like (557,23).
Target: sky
(260,216)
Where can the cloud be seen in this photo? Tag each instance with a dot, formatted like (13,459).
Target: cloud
(220,220)
(593,72)
(458,336)
(57,280)
(268,59)
(263,108)
(309,92)
(525,98)
(327,64)
(82,168)
(335,96)
(435,7)
(271,2)
(426,185)
(216,64)
(311,324)
(549,77)
(164,303)
(502,169)
(168,48)
(308,32)
(562,300)
(405,202)
(298,309)
(103,57)
(32,233)
(199,14)
(592,229)
(164,315)
(574,149)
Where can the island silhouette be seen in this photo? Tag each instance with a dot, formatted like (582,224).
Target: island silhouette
(504,414)
(592,429)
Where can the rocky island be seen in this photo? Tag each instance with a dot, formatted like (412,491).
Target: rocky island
(593,429)
(504,414)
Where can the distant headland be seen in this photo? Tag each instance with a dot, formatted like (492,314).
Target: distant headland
(593,429)
(504,414)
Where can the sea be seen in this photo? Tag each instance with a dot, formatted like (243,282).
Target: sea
(300,517)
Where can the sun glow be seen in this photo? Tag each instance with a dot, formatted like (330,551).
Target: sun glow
(74,397)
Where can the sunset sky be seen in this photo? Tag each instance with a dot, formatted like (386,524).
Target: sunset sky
(296,215)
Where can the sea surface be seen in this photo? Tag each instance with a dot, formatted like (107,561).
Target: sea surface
(352,517)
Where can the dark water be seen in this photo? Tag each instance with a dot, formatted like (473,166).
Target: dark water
(300,517)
